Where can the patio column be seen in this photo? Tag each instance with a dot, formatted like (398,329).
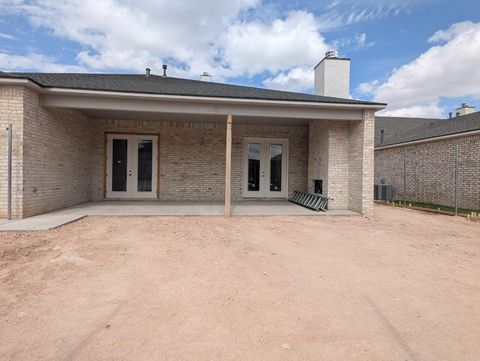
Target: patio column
(228,168)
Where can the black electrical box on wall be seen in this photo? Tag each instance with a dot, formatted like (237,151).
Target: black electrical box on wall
(318,183)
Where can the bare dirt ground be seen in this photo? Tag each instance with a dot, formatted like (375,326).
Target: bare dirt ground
(404,285)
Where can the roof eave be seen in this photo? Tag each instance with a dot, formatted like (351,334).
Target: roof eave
(21,81)
(430,139)
(116,94)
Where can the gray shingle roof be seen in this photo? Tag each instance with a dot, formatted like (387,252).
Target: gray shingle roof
(154,84)
(400,130)
(395,127)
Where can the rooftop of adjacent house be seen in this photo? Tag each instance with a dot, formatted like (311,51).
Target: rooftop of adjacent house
(154,84)
(400,130)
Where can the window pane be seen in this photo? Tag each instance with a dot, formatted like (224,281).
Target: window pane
(276,167)
(144,178)
(119,165)
(254,167)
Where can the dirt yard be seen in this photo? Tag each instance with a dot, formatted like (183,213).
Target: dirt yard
(404,285)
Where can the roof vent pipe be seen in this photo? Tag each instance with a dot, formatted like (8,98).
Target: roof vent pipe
(164,66)
(147,72)
(206,77)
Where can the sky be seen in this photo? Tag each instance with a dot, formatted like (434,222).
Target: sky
(422,57)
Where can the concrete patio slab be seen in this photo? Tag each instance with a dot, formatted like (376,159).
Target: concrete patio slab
(154,208)
(281,208)
(42,222)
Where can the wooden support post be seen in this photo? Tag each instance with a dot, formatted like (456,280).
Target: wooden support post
(228,168)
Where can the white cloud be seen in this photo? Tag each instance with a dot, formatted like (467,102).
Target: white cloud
(361,41)
(131,34)
(352,13)
(285,43)
(191,37)
(296,79)
(421,111)
(448,69)
(356,42)
(453,31)
(368,88)
(6,36)
(37,61)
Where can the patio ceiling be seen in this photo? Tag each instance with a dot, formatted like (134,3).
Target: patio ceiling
(193,118)
(108,104)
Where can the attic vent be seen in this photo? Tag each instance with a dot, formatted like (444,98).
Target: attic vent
(164,67)
(147,72)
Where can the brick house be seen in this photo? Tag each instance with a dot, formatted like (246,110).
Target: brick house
(88,137)
(430,160)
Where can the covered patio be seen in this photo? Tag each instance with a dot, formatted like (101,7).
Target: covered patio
(210,150)
(161,208)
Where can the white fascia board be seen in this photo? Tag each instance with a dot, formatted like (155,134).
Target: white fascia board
(102,93)
(22,82)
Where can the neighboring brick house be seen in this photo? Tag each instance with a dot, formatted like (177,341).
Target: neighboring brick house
(424,159)
(88,137)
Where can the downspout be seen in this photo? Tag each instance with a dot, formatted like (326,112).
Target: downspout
(9,172)
(456,179)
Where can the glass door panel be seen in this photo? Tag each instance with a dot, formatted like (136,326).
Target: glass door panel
(276,165)
(145,163)
(119,165)
(254,153)
(145,158)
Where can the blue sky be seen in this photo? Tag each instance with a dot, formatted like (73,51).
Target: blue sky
(419,56)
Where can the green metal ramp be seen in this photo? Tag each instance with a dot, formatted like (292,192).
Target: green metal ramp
(316,202)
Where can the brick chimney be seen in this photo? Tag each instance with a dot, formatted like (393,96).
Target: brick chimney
(332,76)
(464,110)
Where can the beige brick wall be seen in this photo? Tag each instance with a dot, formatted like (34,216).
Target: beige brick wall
(192,156)
(361,163)
(430,171)
(338,161)
(297,154)
(341,154)
(11,111)
(57,155)
(328,160)
(318,154)
(51,154)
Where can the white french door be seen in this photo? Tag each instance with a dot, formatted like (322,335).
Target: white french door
(132,162)
(265,168)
